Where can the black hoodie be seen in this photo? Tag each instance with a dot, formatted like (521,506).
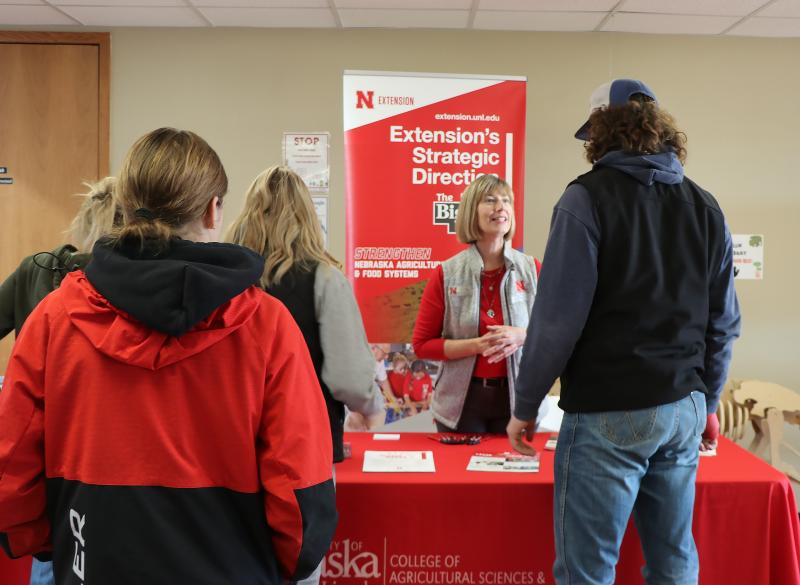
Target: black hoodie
(174,289)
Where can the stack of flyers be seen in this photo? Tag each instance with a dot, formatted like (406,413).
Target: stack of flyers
(552,440)
(512,462)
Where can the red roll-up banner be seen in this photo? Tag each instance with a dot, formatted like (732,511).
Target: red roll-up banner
(413,143)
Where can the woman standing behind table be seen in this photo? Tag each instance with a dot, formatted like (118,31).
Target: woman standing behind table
(279,222)
(474,314)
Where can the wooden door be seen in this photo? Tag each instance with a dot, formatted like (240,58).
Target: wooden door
(53,137)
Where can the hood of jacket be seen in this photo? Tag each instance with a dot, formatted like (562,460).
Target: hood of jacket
(154,309)
(648,169)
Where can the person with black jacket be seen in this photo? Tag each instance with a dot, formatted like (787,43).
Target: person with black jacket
(40,274)
(637,313)
(186,437)
(279,222)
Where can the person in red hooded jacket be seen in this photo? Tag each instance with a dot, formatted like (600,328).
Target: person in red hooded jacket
(186,438)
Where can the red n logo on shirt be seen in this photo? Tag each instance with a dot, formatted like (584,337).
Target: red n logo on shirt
(521,286)
(453,290)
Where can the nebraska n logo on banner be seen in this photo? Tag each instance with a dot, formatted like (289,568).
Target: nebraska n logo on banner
(364,99)
(413,143)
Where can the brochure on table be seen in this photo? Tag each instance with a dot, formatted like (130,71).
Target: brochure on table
(508,462)
(398,461)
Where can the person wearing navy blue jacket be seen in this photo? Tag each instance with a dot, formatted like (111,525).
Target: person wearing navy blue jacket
(636,313)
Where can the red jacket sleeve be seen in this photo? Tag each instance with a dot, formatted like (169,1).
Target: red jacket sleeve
(295,455)
(24,527)
(427,338)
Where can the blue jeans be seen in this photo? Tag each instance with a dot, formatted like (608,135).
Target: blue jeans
(609,464)
(42,573)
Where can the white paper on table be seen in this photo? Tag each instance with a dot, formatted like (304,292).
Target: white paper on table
(398,461)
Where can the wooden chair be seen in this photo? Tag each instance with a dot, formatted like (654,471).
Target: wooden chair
(732,415)
(770,406)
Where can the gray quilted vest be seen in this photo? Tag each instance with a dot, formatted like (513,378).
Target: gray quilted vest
(462,297)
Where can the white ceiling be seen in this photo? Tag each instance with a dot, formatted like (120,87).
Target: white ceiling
(762,18)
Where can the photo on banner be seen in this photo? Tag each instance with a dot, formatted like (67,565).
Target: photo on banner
(413,143)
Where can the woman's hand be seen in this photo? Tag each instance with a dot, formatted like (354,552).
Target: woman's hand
(503,341)
(497,344)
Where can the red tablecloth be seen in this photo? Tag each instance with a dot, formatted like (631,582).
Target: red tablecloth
(458,526)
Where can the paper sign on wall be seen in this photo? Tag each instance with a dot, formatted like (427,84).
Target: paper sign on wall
(321,207)
(306,153)
(748,256)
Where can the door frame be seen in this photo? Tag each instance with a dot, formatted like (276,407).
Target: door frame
(102,40)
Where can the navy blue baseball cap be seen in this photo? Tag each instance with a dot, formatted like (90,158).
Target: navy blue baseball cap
(613,93)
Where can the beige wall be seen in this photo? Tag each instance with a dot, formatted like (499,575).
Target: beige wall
(736,98)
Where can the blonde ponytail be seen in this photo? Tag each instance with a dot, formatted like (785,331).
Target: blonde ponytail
(97,216)
(279,222)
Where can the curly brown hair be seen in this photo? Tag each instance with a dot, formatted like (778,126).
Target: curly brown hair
(639,126)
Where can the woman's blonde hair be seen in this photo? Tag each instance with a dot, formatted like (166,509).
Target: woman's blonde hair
(467,229)
(97,216)
(166,181)
(279,222)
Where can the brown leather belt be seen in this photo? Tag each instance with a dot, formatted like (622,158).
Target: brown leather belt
(490,382)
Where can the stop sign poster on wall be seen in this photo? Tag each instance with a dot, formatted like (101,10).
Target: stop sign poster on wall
(413,143)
